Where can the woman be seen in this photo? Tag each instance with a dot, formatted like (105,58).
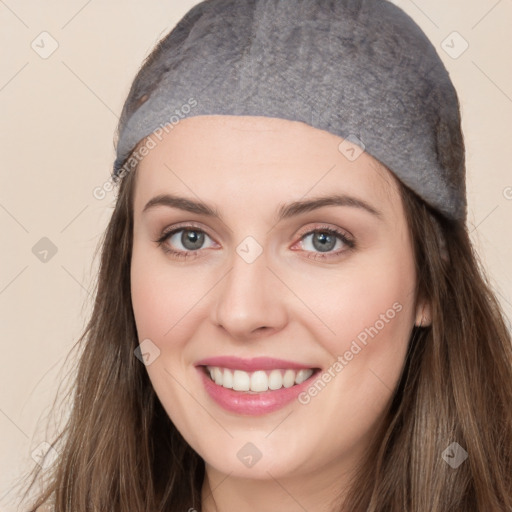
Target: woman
(290,315)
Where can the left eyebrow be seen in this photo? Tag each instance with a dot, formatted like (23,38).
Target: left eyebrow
(298,207)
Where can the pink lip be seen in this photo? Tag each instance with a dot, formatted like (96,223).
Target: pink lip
(251,365)
(251,403)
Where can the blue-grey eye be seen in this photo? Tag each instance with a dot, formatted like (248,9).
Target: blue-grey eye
(322,241)
(190,239)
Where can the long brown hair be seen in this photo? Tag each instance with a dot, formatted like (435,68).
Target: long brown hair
(120,452)
(456,387)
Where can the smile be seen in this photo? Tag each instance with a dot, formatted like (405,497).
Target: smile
(256,386)
(257,381)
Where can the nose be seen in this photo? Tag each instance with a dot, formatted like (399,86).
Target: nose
(250,299)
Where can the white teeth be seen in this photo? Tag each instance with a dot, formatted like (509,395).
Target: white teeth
(227,379)
(259,380)
(289,378)
(217,376)
(241,381)
(275,380)
(302,375)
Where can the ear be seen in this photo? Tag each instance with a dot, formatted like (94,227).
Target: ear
(423,314)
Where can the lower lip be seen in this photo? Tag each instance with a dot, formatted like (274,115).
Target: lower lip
(252,404)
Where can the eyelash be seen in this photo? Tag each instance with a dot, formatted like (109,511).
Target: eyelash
(350,243)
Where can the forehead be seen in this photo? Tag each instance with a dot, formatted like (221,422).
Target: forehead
(250,157)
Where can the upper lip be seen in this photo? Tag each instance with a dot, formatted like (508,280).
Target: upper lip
(253,364)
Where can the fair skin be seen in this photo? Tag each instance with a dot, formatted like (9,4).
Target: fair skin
(287,303)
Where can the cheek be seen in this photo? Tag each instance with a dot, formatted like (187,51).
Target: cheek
(370,311)
(364,301)
(163,304)
(163,297)
(149,304)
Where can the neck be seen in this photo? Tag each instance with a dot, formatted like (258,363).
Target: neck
(320,491)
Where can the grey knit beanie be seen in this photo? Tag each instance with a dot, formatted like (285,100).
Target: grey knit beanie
(360,69)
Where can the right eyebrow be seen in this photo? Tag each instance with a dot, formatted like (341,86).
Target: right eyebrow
(182,203)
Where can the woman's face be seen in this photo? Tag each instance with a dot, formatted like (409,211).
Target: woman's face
(292,257)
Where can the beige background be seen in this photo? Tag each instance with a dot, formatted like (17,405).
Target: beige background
(58,119)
